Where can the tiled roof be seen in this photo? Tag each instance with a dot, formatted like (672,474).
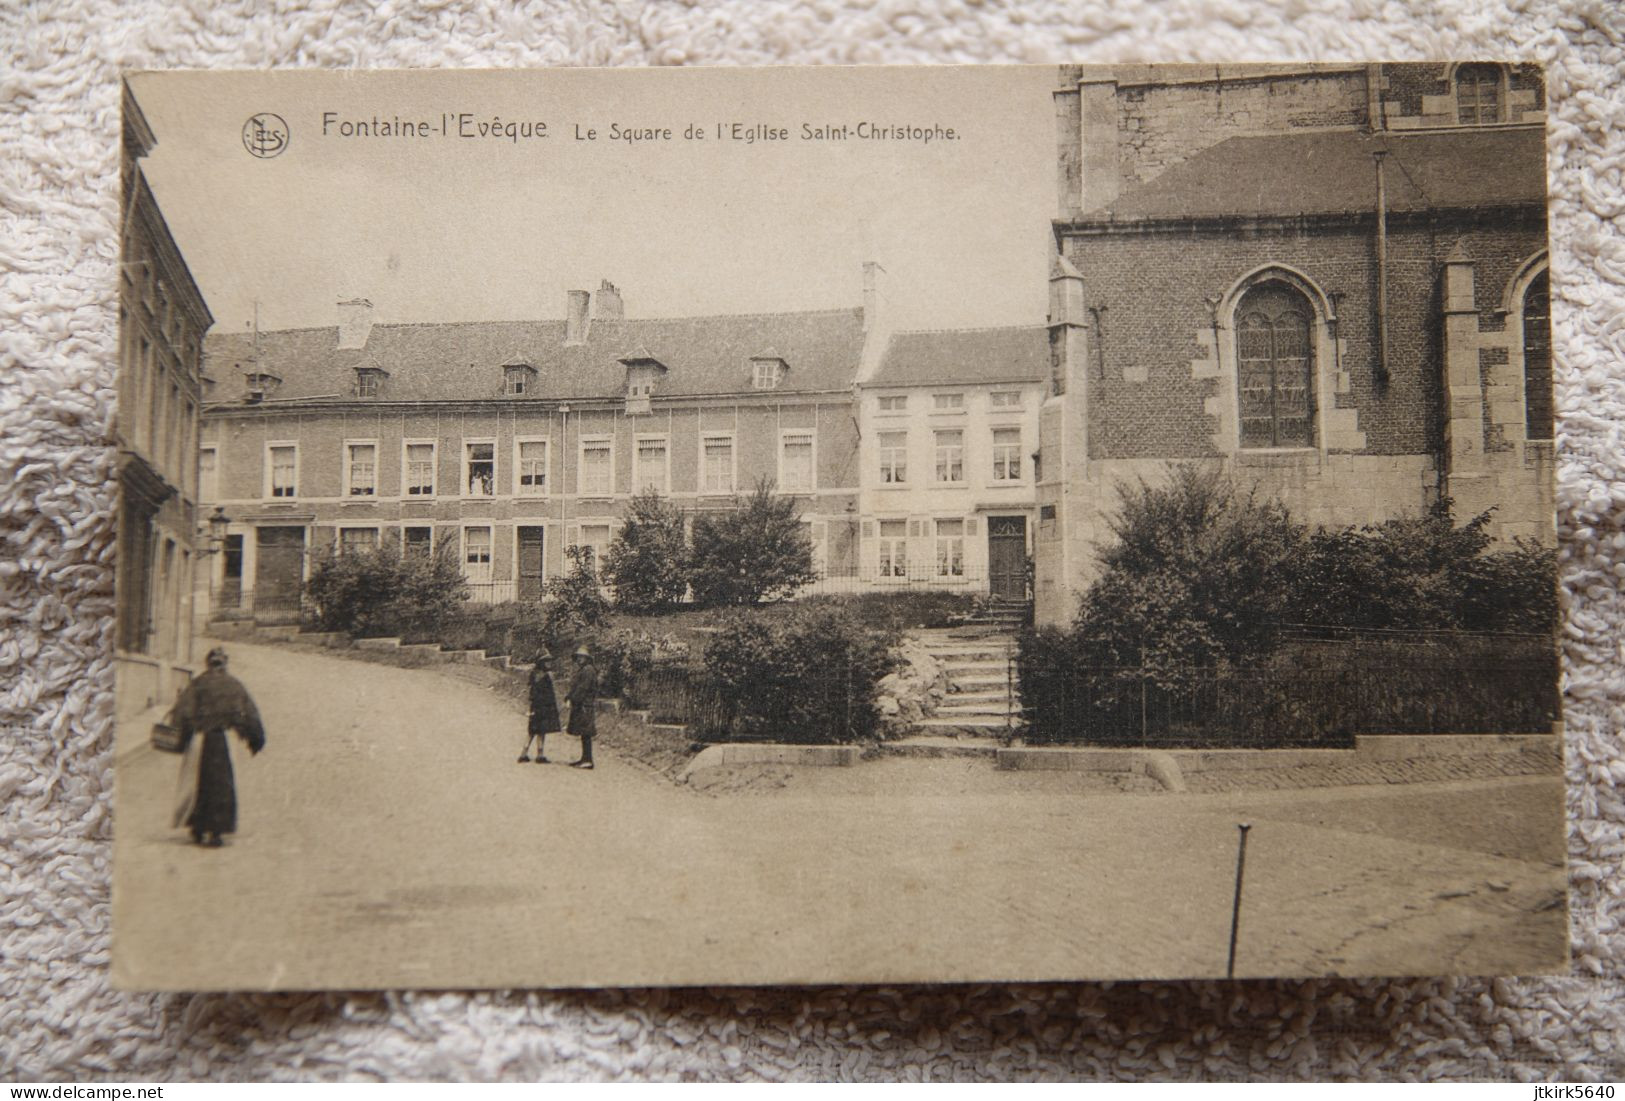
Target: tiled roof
(1017,353)
(462,360)
(1332,172)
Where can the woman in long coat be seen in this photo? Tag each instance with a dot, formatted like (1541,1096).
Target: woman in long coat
(544,709)
(212,704)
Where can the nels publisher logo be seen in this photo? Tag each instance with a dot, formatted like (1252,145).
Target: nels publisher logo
(265,135)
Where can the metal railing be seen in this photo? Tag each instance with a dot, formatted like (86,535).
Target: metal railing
(266,607)
(1276,706)
(828,709)
(966,578)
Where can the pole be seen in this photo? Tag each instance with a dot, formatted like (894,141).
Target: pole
(1382,271)
(1009,692)
(1143,732)
(1235,907)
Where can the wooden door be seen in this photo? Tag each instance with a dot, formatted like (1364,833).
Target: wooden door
(530,563)
(1007,557)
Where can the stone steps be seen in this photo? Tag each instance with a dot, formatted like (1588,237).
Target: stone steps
(976,659)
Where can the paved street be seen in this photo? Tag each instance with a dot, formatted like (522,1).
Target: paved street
(388,838)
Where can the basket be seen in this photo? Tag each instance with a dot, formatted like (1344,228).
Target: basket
(165,738)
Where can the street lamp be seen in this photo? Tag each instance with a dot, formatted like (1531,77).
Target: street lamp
(218,523)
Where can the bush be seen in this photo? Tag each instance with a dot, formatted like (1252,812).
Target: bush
(759,551)
(1181,640)
(1193,576)
(379,593)
(808,677)
(1423,573)
(647,565)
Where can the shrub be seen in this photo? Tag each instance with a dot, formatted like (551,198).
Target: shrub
(759,551)
(647,565)
(1192,577)
(1179,641)
(1423,573)
(808,677)
(372,594)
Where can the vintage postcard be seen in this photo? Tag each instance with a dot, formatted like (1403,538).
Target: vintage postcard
(585,528)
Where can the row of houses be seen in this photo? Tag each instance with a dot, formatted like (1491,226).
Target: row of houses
(1331,279)
(514,441)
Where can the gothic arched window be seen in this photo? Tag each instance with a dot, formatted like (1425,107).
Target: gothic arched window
(1537,358)
(1478,95)
(1275,361)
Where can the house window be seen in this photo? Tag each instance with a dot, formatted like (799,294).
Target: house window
(1478,95)
(1005,399)
(894,548)
(717,465)
(796,461)
(894,403)
(947,402)
(361,469)
(1275,367)
(420,470)
(597,468)
(649,471)
(368,380)
(515,380)
(208,471)
(893,458)
(1007,454)
(480,469)
(284,470)
(358,540)
(417,542)
(477,555)
(532,466)
(950,548)
(951,456)
(1537,359)
(595,542)
(766,374)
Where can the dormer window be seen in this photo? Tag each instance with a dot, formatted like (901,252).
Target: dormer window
(642,372)
(260,385)
(369,381)
(766,372)
(1478,94)
(517,379)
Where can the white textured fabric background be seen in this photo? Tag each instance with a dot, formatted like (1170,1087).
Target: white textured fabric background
(59,1019)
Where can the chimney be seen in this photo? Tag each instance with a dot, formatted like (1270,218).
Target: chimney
(575,317)
(872,271)
(608,305)
(355,323)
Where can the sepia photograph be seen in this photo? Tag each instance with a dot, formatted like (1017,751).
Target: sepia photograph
(589,528)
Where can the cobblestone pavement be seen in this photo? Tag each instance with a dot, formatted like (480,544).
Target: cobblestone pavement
(388,838)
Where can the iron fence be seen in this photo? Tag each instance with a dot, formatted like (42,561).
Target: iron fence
(916,577)
(1280,705)
(830,708)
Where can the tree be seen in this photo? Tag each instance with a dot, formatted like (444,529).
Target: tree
(576,603)
(647,565)
(759,551)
